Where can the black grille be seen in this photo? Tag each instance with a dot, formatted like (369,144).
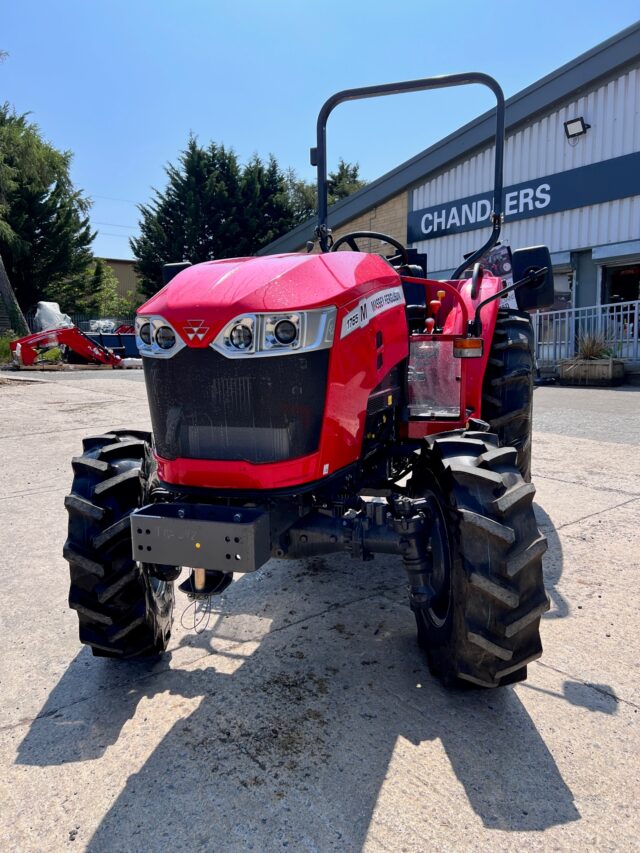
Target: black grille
(206,406)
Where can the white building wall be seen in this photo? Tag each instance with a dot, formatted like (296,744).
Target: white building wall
(539,149)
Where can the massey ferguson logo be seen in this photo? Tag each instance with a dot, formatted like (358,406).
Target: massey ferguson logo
(195,329)
(370,307)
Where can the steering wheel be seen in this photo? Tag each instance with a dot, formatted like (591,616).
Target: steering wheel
(352,236)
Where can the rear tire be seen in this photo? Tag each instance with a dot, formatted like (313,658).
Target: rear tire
(483,626)
(122,609)
(507,390)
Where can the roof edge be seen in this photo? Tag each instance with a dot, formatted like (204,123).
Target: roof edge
(600,61)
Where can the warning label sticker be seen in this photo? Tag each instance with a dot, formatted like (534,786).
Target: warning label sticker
(370,307)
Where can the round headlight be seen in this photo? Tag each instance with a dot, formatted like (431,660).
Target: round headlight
(165,337)
(241,336)
(145,333)
(285,332)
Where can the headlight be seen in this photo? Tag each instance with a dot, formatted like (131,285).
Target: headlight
(156,338)
(238,336)
(165,337)
(285,332)
(277,334)
(282,331)
(241,336)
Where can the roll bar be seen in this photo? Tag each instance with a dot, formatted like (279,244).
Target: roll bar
(319,153)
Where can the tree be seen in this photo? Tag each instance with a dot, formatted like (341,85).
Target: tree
(105,301)
(196,217)
(45,236)
(17,321)
(303,195)
(96,293)
(211,208)
(266,212)
(344,182)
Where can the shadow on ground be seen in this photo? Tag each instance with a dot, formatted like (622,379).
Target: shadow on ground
(553,565)
(294,743)
(593,697)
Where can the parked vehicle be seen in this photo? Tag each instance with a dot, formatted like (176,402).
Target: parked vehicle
(303,404)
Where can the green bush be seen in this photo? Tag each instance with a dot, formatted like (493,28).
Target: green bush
(5,352)
(591,346)
(50,356)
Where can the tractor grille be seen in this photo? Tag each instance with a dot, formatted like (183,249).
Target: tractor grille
(206,406)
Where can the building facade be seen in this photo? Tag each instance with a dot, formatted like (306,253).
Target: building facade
(578,194)
(128,281)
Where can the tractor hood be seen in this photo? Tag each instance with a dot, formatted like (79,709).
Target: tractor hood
(213,293)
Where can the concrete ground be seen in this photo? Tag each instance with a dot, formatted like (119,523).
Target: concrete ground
(303,716)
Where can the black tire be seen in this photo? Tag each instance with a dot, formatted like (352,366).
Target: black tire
(483,625)
(507,390)
(123,611)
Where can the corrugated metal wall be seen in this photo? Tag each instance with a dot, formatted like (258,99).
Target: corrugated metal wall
(539,149)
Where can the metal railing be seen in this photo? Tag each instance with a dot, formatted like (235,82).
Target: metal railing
(557,332)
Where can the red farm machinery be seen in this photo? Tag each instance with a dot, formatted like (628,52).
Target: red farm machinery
(106,343)
(74,345)
(333,401)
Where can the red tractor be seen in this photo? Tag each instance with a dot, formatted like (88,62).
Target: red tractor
(305,404)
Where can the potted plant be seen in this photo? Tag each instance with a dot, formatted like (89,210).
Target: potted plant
(593,365)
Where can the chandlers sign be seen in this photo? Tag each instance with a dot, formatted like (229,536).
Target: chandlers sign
(593,184)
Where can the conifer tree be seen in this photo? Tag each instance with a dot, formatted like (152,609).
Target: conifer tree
(197,217)
(344,181)
(45,236)
(213,208)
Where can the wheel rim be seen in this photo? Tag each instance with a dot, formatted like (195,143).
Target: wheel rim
(440,603)
(158,586)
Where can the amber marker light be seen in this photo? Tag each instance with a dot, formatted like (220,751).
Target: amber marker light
(467,348)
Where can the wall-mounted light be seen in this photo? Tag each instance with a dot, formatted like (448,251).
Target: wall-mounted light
(575,127)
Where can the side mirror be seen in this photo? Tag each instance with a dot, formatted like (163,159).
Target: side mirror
(526,261)
(169,271)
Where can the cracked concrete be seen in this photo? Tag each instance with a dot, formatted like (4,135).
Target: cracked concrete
(304,716)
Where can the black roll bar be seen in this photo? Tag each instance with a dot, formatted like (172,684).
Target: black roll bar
(319,153)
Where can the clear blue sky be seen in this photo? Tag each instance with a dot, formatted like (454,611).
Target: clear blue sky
(121,83)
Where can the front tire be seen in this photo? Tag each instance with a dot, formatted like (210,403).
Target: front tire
(123,611)
(507,390)
(481,624)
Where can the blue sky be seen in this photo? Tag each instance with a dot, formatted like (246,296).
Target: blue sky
(121,84)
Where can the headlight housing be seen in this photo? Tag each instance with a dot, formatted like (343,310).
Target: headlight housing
(157,338)
(165,337)
(246,335)
(282,330)
(239,335)
(277,334)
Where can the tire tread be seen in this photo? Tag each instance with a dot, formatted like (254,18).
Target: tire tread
(498,587)
(120,613)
